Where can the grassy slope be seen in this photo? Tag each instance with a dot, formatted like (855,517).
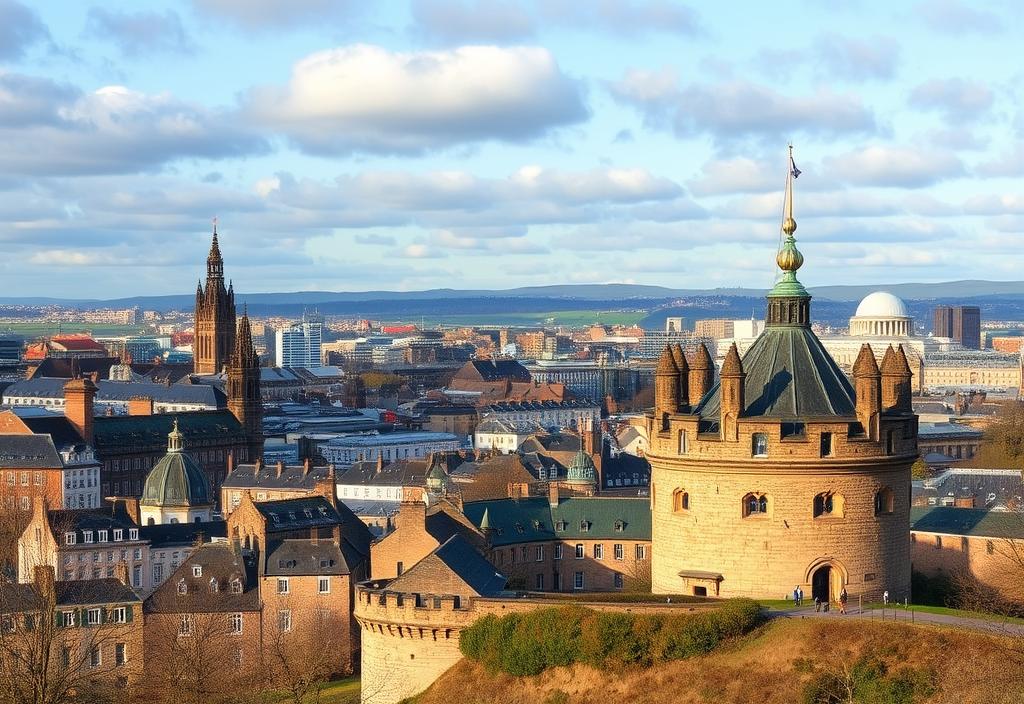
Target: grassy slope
(768,667)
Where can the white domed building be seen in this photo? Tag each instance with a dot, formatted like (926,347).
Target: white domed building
(881,314)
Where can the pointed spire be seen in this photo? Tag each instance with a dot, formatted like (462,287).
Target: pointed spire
(788,301)
(890,364)
(667,363)
(679,358)
(485,520)
(702,359)
(733,365)
(866,365)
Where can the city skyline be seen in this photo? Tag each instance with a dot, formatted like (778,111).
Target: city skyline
(478,144)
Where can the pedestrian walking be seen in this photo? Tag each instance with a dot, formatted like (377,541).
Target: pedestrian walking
(885,598)
(799,596)
(817,604)
(843,598)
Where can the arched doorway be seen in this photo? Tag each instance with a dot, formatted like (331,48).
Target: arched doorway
(821,583)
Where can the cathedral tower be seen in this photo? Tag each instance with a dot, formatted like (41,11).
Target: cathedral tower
(214,318)
(243,390)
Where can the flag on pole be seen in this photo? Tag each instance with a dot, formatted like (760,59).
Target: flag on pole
(792,168)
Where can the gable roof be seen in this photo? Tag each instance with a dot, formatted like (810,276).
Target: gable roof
(219,561)
(28,451)
(58,427)
(264,476)
(170,534)
(454,567)
(300,513)
(299,556)
(493,370)
(94,591)
(123,391)
(534,519)
(492,477)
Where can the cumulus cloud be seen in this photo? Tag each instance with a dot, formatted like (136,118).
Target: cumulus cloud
(738,108)
(20,28)
(367,99)
(140,33)
(471,21)
(1006,204)
(50,129)
(859,59)
(375,239)
(1009,163)
(624,17)
(268,15)
(957,18)
(900,167)
(958,99)
(735,175)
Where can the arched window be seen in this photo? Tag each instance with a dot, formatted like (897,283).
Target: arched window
(827,504)
(755,505)
(680,501)
(883,501)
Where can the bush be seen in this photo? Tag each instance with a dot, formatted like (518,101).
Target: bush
(869,681)
(528,644)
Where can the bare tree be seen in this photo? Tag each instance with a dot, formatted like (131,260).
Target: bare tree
(301,660)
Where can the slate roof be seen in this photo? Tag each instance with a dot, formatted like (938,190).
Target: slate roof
(151,431)
(454,567)
(974,522)
(58,427)
(503,425)
(174,534)
(493,370)
(300,513)
(107,390)
(932,431)
(219,561)
(177,480)
(397,473)
(28,451)
(78,520)
(298,556)
(66,367)
(789,376)
(246,476)
(584,518)
(516,406)
(94,591)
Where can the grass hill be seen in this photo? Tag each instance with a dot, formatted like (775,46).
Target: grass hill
(783,662)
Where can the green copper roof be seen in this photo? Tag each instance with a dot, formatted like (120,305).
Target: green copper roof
(581,469)
(176,480)
(596,518)
(789,376)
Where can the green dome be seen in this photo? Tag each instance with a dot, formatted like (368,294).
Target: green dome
(177,479)
(582,469)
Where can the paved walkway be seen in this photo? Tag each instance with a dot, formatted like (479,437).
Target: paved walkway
(901,615)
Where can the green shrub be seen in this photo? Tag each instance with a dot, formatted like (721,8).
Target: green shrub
(869,682)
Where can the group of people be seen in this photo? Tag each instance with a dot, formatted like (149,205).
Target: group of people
(819,603)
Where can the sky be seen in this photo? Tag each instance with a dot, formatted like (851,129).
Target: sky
(350,146)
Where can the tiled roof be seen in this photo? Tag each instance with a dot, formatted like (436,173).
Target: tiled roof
(28,451)
(975,522)
(220,562)
(454,567)
(298,514)
(245,476)
(789,376)
(298,556)
(94,591)
(492,477)
(590,518)
(493,370)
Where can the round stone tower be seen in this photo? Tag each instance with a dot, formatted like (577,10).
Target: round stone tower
(784,474)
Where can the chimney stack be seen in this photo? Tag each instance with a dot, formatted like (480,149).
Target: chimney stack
(79,395)
(280,468)
(380,462)
(553,494)
(732,402)
(305,468)
(140,406)
(231,461)
(121,572)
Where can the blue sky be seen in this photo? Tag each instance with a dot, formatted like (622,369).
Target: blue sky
(347,145)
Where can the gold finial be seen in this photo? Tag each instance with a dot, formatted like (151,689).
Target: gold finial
(789,258)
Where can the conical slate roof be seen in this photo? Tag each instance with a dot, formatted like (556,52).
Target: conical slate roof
(789,376)
(581,469)
(176,480)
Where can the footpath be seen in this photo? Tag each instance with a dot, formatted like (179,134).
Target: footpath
(900,614)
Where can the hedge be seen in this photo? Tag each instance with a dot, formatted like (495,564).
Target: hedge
(529,643)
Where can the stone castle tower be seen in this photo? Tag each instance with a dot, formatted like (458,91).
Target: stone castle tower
(243,389)
(782,474)
(214,318)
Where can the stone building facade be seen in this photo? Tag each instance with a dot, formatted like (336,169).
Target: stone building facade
(784,473)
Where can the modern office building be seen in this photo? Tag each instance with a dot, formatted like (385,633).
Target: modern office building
(298,345)
(961,323)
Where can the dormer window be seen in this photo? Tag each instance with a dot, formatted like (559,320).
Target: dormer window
(102,536)
(584,526)
(274,517)
(87,536)
(133,533)
(118,534)
(620,526)
(197,570)
(309,514)
(519,527)
(69,538)
(182,587)
(561,525)
(236,586)
(214,587)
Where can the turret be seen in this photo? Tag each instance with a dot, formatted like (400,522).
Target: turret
(732,394)
(896,376)
(666,388)
(867,381)
(243,389)
(702,374)
(684,377)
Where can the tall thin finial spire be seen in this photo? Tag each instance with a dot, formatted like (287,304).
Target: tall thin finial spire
(789,258)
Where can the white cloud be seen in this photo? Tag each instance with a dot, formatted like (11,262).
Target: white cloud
(859,59)
(735,175)
(958,99)
(140,33)
(272,15)
(470,21)
(900,167)
(20,29)
(1009,163)
(957,18)
(365,98)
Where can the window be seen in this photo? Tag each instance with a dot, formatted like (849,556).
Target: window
(137,554)
(598,551)
(185,625)
(538,552)
(579,551)
(119,615)
(284,621)
(828,504)
(577,581)
(197,570)
(826,444)
(67,618)
(618,580)
(557,551)
(641,552)
(883,501)
(539,582)
(938,542)
(93,617)
(680,501)
(755,505)
(617,551)
(214,585)
(324,585)
(890,443)
(158,574)
(65,656)
(120,654)
(282,585)
(524,552)
(118,534)
(235,623)
(759,445)
(95,656)
(69,538)
(26,503)
(87,536)
(683,445)
(236,586)
(182,587)
(102,536)
(7,623)
(133,534)
(24,478)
